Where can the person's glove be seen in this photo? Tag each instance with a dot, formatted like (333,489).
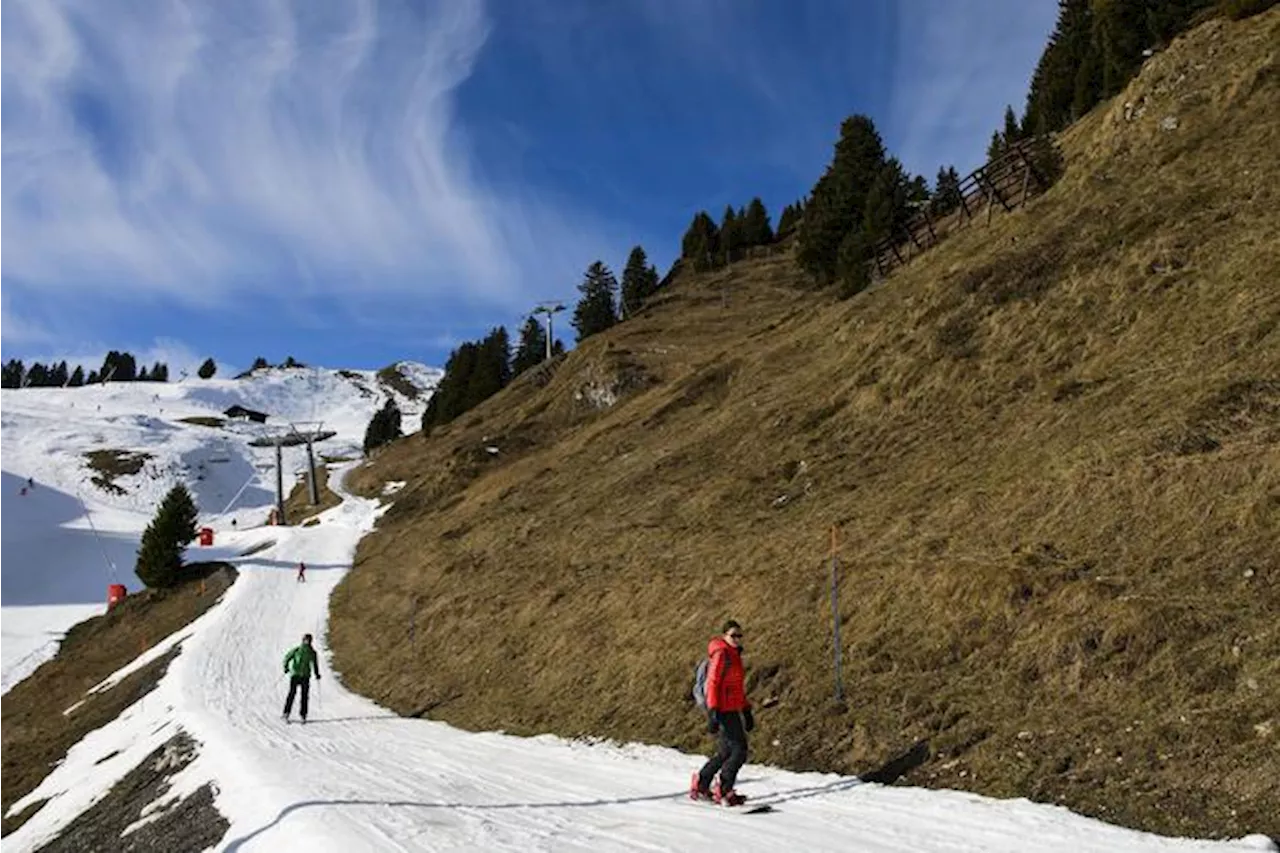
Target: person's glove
(713,722)
(748,719)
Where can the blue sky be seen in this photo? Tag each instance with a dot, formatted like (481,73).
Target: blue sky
(353,182)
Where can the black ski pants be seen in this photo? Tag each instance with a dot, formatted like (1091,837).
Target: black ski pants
(731,753)
(297,683)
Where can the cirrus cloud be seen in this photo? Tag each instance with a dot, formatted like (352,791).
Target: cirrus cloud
(193,150)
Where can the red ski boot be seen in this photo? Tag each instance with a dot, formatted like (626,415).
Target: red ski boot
(726,798)
(696,792)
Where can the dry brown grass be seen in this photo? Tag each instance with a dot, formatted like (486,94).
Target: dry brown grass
(1052,447)
(112,463)
(37,732)
(297,506)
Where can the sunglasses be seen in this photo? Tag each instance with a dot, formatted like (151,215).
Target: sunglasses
(735,636)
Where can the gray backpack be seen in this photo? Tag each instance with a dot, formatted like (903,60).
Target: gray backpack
(700,682)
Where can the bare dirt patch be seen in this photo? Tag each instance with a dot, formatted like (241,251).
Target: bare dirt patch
(203,420)
(37,734)
(190,825)
(107,465)
(394,379)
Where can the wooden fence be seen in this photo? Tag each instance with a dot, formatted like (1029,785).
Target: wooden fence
(1008,181)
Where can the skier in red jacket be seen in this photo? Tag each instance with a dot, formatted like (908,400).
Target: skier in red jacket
(728,716)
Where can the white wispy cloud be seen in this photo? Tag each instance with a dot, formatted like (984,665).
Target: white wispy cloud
(196,150)
(957,65)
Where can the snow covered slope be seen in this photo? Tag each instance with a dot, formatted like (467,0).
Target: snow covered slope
(76,530)
(358,778)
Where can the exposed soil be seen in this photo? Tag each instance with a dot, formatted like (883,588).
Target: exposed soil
(107,465)
(190,825)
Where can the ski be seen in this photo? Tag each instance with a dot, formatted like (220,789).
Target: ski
(760,808)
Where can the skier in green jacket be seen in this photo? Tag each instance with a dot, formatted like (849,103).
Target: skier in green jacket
(299,663)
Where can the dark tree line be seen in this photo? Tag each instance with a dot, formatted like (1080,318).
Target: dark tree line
(116,367)
(477,370)
(604,301)
(706,245)
(261,363)
(1096,48)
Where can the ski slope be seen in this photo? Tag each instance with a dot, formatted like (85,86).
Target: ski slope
(358,778)
(67,538)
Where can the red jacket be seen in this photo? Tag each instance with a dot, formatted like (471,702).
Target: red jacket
(726,690)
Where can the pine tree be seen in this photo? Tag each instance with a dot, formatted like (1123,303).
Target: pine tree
(788,222)
(531,349)
(1119,36)
(118,367)
(59,375)
(946,192)
(1053,83)
(1012,132)
(207,369)
(853,269)
(701,242)
(887,212)
(639,282)
(260,363)
(837,201)
(143,376)
(13,374)
(557,348)
(917,191)
(730,235)
(92,378)
(160,372)
(595,311)
(166,538)
(37,376)
(449,399)
(292,362)
(76,379)
(995,147)
(384,426)
(492,368)
(756,230)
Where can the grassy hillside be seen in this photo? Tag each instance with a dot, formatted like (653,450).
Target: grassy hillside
(1051,446)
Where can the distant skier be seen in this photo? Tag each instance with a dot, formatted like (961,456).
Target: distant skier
(302,572)
(31,482)
(299,663)
(728,716)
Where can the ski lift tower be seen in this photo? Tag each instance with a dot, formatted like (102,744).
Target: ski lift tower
(277,438)
(548,308)
(281,437)
(310,432)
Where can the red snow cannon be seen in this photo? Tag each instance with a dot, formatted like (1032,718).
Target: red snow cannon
(115,594)
(206,536)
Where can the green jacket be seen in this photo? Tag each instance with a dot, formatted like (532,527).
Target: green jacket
(300,661)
